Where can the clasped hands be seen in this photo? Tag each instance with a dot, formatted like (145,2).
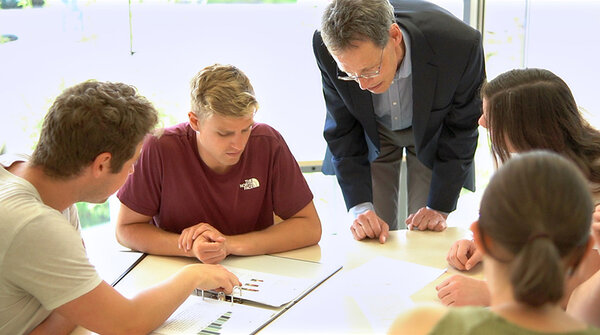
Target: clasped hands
(205,242)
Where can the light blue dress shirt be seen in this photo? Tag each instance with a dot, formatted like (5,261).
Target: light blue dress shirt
(394,107)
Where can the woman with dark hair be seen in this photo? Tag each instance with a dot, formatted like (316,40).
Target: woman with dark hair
(533,231)
(523,110)
(584,302)
(530,109)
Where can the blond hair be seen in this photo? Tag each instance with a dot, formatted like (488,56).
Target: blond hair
(223,90)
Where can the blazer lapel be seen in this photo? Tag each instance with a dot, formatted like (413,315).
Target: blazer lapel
(424,79)
(364,112)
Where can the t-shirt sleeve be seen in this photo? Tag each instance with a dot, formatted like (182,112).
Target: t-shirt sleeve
(72,216)
(47,259)
(290,190)
(142,189)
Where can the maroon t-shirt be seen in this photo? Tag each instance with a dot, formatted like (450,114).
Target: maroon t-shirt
(174,186)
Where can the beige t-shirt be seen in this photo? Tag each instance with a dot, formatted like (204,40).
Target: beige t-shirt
(43,263)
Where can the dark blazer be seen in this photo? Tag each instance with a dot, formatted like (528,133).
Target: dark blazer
(447,70)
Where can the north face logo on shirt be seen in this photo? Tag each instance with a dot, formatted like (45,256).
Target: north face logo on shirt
(250,184)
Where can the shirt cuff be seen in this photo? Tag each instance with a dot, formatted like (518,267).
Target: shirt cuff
(441,212)
(361,208)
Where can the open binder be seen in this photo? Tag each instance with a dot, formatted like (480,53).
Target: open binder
(270,286)
(202,315)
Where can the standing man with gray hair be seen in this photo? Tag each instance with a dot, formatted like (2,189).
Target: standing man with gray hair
(399,76)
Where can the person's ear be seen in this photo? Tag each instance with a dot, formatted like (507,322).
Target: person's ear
(578,255)
(193,118)
(101,164)
(395,33)
(590,245)
(477,238)
(475,230)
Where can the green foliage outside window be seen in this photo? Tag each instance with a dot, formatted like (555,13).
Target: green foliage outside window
(93,214)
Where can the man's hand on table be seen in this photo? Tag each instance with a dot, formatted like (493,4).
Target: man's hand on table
(427,219)
(369,224)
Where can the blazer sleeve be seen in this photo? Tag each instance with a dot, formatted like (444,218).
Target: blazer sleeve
(453,167)
(344,134)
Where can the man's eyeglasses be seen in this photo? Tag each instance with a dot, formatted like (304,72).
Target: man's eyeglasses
(366,75)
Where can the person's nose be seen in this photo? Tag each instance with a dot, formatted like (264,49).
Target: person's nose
(482,121)
(238,142)
(363,83)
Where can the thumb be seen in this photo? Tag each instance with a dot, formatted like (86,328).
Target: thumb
(385,232)
(217,238)
(213,237)
(471,262)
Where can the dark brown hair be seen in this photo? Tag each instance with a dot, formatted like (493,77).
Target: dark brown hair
(88,119)
(537,209)
(534,109)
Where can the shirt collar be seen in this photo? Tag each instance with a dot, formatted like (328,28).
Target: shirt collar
(405,69)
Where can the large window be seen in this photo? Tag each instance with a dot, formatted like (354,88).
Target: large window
(551,34)
(158,46)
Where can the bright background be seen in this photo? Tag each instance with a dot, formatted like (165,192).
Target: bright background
(159,45)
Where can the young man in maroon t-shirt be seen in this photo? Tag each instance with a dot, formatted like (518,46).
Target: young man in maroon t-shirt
(211,187)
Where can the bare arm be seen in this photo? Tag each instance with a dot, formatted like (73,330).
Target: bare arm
(584,302)
(588,268)
(583,288)
(134,231)
(210,246)
(104,310)
(301,230)
(54,324)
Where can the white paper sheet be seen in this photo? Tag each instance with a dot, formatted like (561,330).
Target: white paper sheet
(382,288)
(269,289)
